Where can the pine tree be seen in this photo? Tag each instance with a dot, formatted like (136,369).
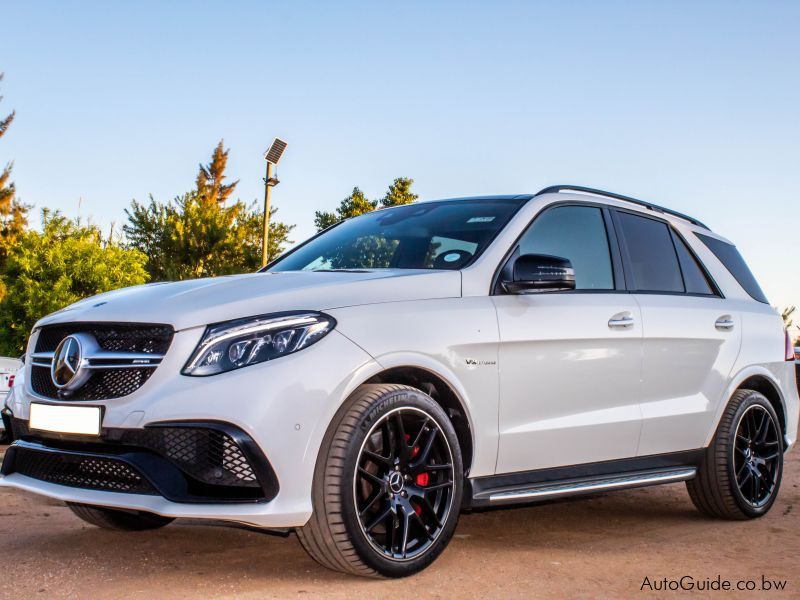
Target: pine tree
(399,193)
(354,205)
(209,178)
(13,214)
(357,203)
(197,235)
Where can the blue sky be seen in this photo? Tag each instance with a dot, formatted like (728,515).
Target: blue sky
(694,105)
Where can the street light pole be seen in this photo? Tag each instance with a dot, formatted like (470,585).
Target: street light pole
(271,156)
(265,235)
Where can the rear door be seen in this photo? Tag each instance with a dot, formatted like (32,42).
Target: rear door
(691,335)
(570,361)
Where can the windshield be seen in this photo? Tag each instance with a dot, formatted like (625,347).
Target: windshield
(429,235)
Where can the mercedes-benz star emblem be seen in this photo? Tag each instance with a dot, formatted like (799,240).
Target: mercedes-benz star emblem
(396,482)
(66,370)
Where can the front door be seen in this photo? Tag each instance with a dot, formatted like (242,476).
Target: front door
(570,362)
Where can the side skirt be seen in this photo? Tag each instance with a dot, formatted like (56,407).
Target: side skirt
(561,482)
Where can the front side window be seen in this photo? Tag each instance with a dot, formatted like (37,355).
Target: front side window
(577,233)
(429,235)
(653,261)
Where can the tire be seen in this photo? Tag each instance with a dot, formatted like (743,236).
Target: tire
(388,540)
(120,520)
(740,475)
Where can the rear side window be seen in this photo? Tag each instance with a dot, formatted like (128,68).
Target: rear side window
(653,261)
(693,275)
(733,261)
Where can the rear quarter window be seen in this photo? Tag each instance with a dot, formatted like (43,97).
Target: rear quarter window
(729,256)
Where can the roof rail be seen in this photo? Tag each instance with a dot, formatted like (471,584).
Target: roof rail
(554,189)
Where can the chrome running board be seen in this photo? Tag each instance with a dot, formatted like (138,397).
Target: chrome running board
(574,487)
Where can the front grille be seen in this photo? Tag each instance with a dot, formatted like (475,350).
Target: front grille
(104,384)
(89,472)
(112,337)
(209,455)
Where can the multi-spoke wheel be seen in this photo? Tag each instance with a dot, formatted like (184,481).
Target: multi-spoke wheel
(403,488)
(388,485)
(757,455)
(741,472)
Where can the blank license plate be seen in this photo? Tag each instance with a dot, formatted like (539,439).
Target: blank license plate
(83,420)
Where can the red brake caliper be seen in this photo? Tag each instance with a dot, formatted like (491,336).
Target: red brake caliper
(422,478)
(415,449)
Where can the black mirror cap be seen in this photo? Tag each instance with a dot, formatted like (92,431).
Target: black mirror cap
(540,272)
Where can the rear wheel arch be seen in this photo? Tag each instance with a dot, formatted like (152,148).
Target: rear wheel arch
(766,387)
(757,379)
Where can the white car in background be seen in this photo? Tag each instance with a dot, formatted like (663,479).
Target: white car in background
(8,368)
(412,362)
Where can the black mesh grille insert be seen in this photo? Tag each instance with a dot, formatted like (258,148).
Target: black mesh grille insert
(104,384)
(113,337)
(90,472)
(208,455)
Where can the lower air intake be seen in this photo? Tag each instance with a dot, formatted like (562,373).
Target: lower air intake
(88,472)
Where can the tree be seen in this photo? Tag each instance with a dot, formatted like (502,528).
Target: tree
(13,214)
(197,235)
(354,205)
(209,177)
(65,262)
(358,204)
(786,315)
(399,193)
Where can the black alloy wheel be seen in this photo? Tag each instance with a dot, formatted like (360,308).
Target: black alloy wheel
(757,455)
(741,470)
(388,484)
(403,486)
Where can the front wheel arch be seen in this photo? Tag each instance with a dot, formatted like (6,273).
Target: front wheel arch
(444,394)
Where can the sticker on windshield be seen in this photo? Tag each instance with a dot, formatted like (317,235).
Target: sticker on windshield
(452,257)
(481,219)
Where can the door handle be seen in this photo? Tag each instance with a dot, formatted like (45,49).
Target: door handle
(724,323)
(621,321)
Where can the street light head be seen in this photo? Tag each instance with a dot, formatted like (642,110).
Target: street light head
(273,155)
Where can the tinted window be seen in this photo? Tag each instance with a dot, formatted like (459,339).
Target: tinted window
(733,261)
(693,275)
(428,235)
(577,233)
(654,264)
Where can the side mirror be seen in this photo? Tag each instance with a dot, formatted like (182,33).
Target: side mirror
(539,273)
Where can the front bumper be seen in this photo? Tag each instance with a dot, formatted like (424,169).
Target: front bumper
(283,406)
(184,462)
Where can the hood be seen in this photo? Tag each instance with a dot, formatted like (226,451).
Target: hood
(197,302)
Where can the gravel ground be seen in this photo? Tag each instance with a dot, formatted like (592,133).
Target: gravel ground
(599,547)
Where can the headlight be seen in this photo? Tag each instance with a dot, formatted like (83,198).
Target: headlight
(244,342)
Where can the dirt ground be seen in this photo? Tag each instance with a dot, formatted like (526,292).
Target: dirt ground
(599,547)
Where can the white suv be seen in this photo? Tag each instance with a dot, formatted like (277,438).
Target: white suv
(409,364)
